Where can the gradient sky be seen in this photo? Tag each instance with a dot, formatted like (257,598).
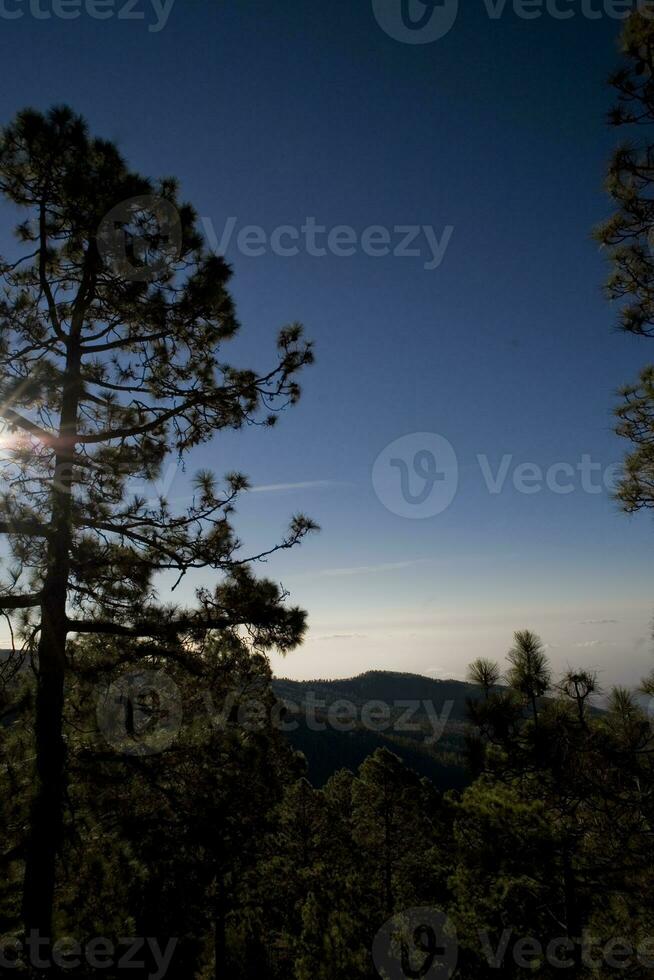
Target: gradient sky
(272,112)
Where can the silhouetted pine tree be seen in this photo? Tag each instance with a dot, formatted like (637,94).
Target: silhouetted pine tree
(113,326)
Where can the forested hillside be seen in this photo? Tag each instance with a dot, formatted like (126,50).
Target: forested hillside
(423,722)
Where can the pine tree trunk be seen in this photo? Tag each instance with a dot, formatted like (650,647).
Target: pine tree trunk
(46,819)
(220,936)
(46,822)
(47,807)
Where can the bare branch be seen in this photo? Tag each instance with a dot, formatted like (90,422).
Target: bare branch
(20,601)
(151,628)
(28,528)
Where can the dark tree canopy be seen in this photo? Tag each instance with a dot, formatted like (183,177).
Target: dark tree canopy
(628,235)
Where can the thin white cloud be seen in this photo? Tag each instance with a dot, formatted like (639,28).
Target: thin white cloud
(303,485)
(341,636)
(444,673)
(588,643)
(391,566)
(598,622)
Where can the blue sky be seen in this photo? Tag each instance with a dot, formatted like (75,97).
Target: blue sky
(272,113)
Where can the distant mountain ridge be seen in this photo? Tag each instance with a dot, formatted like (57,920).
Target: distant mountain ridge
(337,723)
(386,685)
